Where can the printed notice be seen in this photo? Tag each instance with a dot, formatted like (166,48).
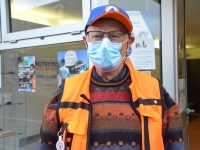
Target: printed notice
(143,52)
(71,62)
(27,77)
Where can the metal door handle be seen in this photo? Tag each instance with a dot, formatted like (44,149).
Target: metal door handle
(188,110)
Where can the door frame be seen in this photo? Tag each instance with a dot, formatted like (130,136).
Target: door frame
(170,58)
(169,48)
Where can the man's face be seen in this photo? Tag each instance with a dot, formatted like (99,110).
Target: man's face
(107,25)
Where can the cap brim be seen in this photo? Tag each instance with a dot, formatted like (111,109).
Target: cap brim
(117,16)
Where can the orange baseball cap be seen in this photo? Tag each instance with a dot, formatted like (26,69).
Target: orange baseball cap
(110,11)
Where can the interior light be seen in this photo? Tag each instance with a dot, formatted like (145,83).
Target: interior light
(189,46)
(157,43)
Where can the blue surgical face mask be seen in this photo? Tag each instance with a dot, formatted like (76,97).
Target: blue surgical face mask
(105,55)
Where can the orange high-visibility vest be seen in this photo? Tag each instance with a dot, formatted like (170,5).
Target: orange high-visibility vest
(75,110)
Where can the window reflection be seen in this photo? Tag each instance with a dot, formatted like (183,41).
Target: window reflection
(33,14)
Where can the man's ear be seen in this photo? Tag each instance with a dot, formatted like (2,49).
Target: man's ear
(85,41)
(131,40)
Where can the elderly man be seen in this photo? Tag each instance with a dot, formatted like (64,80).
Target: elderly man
(112,106)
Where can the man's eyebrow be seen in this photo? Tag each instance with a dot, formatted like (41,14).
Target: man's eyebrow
(108,31)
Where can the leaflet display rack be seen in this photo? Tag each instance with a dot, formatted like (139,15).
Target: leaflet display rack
(12,113)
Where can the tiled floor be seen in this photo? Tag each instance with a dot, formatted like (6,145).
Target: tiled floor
(194,133)
(32,146)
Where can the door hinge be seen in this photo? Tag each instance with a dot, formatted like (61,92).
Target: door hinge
(75,32)
(13,41)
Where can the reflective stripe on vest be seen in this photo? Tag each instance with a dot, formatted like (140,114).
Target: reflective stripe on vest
(75,110)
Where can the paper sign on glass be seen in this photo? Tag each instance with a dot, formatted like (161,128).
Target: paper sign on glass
(143,54)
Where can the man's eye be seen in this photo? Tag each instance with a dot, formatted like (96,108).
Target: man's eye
(96,36)
(115,36)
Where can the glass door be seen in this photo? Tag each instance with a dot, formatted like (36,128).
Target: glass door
(12,104)
(29,78)
(182,80)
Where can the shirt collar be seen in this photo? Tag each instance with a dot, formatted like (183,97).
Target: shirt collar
(121,74)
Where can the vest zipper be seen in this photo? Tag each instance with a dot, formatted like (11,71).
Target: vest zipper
(89,120)
(133,106)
